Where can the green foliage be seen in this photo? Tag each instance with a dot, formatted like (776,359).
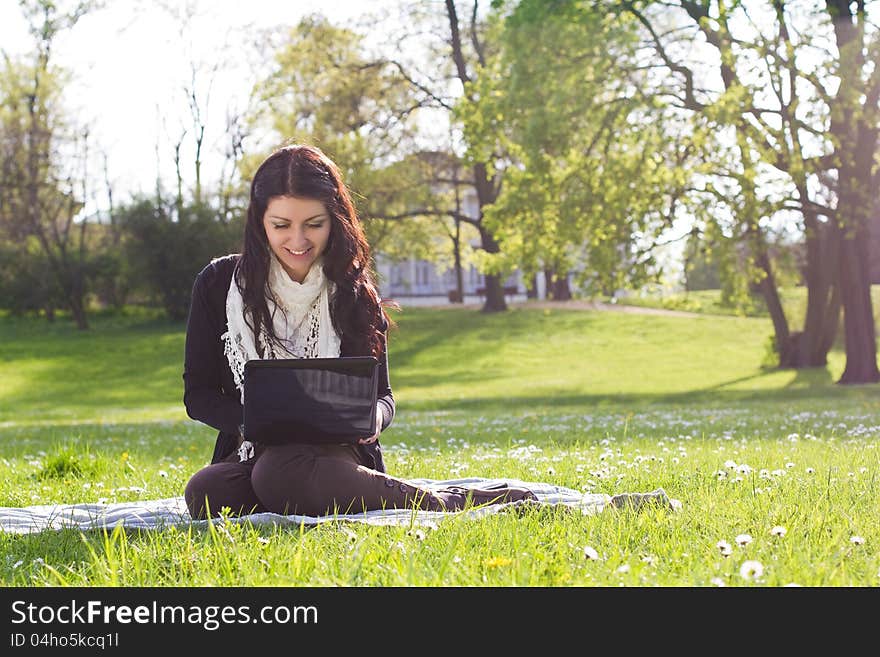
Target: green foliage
(67,461)
(165,251)
(592,168)
(26,282)
(322,88)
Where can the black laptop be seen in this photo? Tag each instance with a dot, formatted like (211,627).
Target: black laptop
(310,400)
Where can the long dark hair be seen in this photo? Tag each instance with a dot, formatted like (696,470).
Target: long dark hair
(356,310)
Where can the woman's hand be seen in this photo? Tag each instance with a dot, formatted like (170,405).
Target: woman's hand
(379,417)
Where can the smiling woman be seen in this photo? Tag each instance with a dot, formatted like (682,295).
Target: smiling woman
(302,288)
(297,230)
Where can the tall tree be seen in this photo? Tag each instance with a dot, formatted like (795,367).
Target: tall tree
(593,172)
(812,125)
(42,189)
(441,51)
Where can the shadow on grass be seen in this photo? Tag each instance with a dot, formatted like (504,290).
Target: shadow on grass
(805,387)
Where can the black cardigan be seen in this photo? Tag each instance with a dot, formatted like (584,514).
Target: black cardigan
(210,395)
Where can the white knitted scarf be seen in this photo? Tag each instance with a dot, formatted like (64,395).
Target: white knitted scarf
(300,318)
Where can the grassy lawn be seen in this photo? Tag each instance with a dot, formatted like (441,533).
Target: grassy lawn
(794,302)
(600,402)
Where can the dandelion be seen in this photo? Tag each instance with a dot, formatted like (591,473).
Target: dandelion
(743,539)
(724,548)
(857,540)
(590,553)
(497,562)
(779,531)
(751,569)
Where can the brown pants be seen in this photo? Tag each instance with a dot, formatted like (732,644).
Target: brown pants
(300,479)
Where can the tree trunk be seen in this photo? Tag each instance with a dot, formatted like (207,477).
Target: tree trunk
(854,120)
(78,311)
(858,313)
(486,195)
(785,340)
(495,301)
(823,302)
(561,289)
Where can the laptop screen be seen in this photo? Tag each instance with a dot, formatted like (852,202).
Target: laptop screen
(310,400)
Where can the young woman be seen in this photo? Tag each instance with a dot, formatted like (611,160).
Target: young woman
(301,289)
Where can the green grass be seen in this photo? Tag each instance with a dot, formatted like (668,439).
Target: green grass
(599,402)
(794,302)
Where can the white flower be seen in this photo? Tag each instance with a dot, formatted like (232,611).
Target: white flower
(724,548)
(789,465)
(751,569)
(810,470)
(623,569)
(590,553)
(743,539)
(162,473)
(857,540)
(744,468)
(717,581)
(17,564)
(778,530)
(417,534)
(730,464)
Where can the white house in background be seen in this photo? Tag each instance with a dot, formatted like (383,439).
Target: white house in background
(420,278)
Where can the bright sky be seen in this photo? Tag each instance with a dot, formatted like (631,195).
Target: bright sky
(130,62)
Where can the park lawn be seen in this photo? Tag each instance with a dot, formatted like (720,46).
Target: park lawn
(793,299)
(599,402)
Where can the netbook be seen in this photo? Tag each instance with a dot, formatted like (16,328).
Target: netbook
(310,400)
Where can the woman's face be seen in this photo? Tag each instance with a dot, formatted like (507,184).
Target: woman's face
(298,230)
